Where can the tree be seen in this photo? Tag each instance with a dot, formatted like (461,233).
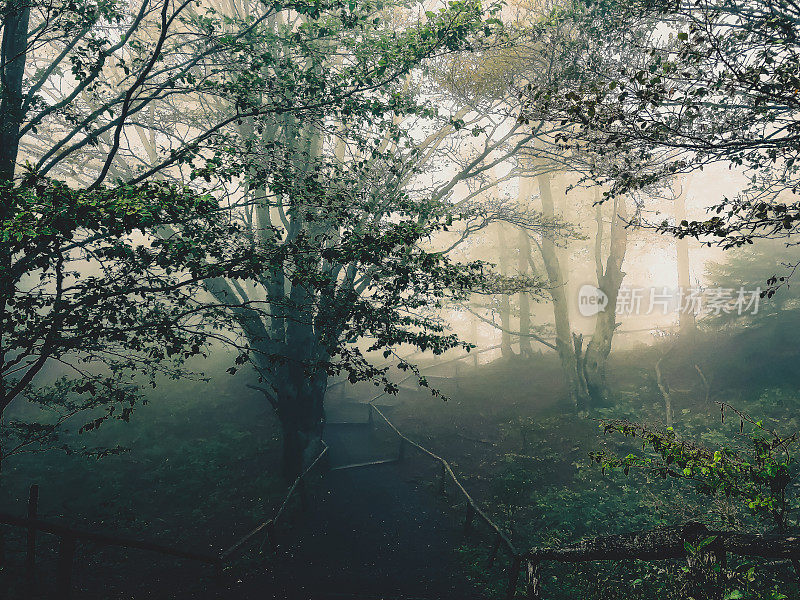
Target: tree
(154,98)
(682,85)
(539,55)
(332,188)
(90,294)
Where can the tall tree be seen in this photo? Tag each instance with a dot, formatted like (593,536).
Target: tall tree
(217,127)
(684,84)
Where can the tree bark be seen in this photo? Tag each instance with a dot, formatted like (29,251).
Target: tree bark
(609,280)
(557,288)
(16,16)
(505,305)
(523,265)
(301,413)
(687,323)
(13,53)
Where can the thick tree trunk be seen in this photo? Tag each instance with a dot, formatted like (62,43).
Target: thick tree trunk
(16,16)
(609,280)
(565,345)
(13,53)
(302,417)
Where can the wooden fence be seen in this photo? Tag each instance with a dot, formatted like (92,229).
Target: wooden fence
(654,545)
(69,537)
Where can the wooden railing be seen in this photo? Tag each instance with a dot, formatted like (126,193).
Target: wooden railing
(473,511)
(693,542)
(268,526)
(658,544)
(69,537)
(653,545)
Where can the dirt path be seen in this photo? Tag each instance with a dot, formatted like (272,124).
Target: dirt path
(373,532)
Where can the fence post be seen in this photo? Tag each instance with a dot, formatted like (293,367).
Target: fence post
(534,586)
(30,557)
(513,577)
(66,555)
(468,518)
(273,546)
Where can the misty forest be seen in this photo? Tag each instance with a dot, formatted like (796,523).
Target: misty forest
(393,299)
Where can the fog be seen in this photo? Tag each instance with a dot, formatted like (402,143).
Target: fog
(399,300)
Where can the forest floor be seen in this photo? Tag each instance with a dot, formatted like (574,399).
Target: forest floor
(373,532)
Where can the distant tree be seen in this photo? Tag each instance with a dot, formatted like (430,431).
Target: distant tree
(681,85)
(748,268)
(539,56)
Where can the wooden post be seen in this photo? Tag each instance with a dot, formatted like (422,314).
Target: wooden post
(534,587)
(401,453)
(513,577)
(468,518)
(442,489)
(66,556)
(495,550)
(30,558)
(273,545)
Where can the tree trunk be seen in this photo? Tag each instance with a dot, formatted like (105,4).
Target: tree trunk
(687,324)
(523,265)
(505,305)
(13,53)
(301,413)
(564,341)
(16,16)
(609,281)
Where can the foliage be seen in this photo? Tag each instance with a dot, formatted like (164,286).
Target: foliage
(687,84)
(767,265)
(196,475)
(232,106)
(758,477)
(89,285)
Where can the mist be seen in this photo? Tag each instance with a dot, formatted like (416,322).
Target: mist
(399,300)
